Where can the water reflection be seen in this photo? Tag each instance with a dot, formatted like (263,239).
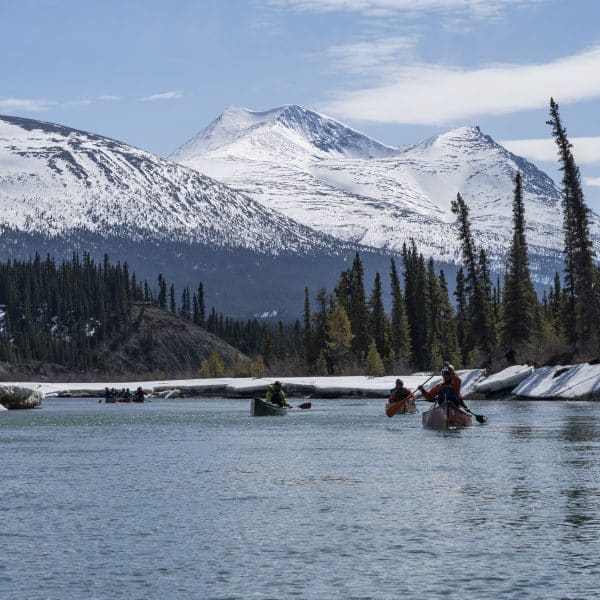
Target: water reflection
(580,428)
(521,432)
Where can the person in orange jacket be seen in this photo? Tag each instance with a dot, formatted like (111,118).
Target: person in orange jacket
(400,393)
(447,391)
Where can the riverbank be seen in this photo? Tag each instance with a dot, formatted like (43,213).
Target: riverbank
(245,387)
(571,382)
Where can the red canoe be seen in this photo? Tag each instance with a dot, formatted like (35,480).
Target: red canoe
(402,407)
(446,416)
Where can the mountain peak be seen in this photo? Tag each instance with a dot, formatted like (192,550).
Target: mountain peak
(289,131)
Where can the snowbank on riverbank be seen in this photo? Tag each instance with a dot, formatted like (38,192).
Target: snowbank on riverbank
(581,382)
(319,387)
(504,380)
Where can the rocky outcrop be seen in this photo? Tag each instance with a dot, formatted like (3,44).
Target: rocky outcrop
(13,396)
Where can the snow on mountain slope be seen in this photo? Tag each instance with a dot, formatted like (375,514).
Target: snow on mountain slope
(55,180)
(361,191)
(293,132)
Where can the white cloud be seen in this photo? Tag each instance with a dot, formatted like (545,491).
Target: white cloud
(375,57)
(586,150)
(108,98)
(592,181)
(477,8)
(24,104)
(175,95)
(432,94)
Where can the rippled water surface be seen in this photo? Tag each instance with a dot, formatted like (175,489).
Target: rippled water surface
(196,499)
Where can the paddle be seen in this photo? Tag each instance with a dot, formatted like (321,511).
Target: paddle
(480,418)
(303,406)
(423,384)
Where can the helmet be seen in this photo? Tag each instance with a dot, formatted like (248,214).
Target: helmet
(399,382)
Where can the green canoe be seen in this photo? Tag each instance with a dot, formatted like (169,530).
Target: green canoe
(260,408)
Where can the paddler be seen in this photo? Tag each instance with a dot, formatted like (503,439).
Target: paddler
(400,393)
(276,395)
(448,390)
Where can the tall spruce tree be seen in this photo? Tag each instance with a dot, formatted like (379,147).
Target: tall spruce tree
(320,324)
(433,303)
(462,315)
(400,334)
(481,333)
(378,321)
(162,291)
(447,324)
(357,310)
(172,304)
(307,333)
(582,285)
(519,295)
(416,303)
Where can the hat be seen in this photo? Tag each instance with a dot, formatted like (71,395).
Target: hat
(399,382)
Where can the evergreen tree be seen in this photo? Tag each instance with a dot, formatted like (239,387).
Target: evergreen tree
(373,363)
(357,309)
(581,275)
(201,306)
(320,320)
(434,344)
(307,334)
(400,334)
(379,327)
(462,323)
(162,292)
(447,325)
(415,286)
(519,295)
(172,305)
(339,340)
(480,333)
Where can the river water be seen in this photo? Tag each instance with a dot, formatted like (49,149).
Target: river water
(196,499)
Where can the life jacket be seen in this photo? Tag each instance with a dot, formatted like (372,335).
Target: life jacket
(397,395)
(276,396)
(447,394)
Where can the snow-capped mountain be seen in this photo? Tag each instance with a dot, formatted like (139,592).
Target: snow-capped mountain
(340,182)
(65,190)
(295,133)
(54,179)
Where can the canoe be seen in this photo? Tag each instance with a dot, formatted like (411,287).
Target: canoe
(403,407)
(446,416)
(260,408)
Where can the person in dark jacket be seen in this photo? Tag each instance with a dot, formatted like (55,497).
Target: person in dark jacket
(447,391)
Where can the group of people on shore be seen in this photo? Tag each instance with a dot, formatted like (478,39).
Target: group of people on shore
(111,396)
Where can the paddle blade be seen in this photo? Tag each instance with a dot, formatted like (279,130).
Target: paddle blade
(481,419)
(305,405)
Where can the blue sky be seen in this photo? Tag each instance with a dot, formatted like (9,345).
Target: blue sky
(153,73)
